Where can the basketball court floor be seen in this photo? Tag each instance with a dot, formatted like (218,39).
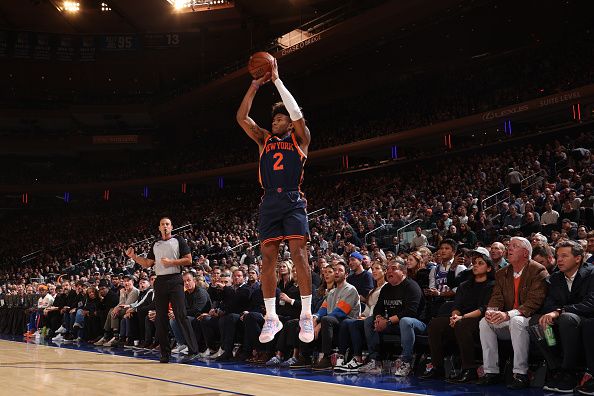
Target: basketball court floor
(71,369)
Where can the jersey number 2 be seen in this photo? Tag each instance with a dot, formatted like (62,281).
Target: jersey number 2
(278,164)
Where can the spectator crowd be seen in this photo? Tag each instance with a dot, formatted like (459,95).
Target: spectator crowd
(518,270)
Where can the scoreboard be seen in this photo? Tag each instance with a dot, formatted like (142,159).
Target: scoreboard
(46,46)
(161,40)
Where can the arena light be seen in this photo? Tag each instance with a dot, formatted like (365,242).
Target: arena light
(178,5)
(394,152)
(199,5)
(105,7)
(71,6)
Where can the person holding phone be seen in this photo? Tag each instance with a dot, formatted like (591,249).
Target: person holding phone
(438,291)
(462,326)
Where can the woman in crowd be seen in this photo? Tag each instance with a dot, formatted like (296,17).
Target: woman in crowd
(326,285)
(352,331)
(462,327)
(467,237)
(86,323)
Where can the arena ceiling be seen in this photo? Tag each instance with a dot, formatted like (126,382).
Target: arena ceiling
(142,16)
(147,59)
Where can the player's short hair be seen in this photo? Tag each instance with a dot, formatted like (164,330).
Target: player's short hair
(279,108)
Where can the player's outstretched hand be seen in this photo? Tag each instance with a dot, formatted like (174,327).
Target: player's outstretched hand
(274,68)
(262,80)
(130,252)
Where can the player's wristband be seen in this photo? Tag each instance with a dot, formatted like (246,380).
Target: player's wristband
(255,85)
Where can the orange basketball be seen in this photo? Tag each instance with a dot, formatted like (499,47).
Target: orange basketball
(260,63)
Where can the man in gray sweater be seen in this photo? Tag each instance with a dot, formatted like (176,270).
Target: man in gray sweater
(128,295)
(342,302)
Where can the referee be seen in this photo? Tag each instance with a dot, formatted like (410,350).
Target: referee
(168,256)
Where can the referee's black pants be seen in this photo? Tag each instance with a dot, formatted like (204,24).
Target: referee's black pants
(170,289)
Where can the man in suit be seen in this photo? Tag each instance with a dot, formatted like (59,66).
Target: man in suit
(570,300)
(519,291)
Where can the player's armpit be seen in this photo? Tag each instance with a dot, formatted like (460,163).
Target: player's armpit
(252,129)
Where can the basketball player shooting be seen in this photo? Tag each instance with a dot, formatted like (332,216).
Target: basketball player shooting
(282,216)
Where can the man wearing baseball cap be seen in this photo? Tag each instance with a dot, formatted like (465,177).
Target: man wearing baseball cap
(361,279)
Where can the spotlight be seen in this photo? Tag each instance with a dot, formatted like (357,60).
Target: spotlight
(71,6)
(199,5)
(180,4)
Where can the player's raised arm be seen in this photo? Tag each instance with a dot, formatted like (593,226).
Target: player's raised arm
(250,127)
(301,130)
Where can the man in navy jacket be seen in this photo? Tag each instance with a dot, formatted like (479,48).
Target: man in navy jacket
(569,301)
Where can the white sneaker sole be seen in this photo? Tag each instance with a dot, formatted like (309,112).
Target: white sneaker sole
(267,337)
(306,337)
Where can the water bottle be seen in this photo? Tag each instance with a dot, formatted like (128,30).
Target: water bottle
(236,348)
(550,336)
(334,356)
(364,355)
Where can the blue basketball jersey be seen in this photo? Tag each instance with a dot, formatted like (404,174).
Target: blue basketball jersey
(281,164)
(441,279)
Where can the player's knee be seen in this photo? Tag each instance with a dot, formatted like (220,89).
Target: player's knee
(298,251)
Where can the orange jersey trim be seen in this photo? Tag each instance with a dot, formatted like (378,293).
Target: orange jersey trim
(301,153)
(303,158)
(268,136)
(295,237)
(264,242)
